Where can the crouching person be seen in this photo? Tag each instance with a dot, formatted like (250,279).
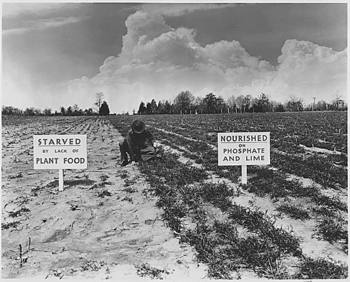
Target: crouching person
(138,144)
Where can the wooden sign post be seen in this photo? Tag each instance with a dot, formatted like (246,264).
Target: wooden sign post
(243,148)
(244,174)
(60,152)
(60,180)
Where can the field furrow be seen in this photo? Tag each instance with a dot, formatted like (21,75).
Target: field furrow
(310,210)
(179,216)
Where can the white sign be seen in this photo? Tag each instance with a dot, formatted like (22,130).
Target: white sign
(60,152)
(243,148)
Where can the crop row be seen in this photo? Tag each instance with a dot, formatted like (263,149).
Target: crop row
(275,184)
(182,194)
(267,181)
(314,166)
(288,130)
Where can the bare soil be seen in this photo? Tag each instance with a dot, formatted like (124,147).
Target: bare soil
(104,225)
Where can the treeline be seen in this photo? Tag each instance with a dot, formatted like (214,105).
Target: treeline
(69,111)
(186,103)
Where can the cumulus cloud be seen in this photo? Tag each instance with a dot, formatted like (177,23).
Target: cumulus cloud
(158,62)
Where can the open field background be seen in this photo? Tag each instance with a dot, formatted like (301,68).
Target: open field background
(180,216)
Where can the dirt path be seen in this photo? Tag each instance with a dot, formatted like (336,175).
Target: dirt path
(105,223)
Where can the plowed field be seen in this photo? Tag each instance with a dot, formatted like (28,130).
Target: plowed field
(179,216)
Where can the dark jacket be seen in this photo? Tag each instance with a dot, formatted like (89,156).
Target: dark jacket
(137,142)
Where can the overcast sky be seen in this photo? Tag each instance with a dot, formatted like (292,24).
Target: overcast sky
(59,54)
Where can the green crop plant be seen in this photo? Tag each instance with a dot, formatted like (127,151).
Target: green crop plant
(293,211)
(320,268)
(331,229)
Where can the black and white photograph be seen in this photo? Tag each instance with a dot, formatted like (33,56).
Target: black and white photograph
(183,141)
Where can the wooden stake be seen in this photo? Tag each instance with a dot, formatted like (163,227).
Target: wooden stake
(60,180)
(20,255)
(244,174)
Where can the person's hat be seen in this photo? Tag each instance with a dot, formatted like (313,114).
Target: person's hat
(138,126)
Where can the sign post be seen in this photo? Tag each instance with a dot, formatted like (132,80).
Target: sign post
(244,174)
(60,180)
(243,148)
(60,152)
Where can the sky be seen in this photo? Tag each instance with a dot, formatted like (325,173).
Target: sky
(61,54)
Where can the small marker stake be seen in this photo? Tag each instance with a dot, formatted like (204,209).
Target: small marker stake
(244,174)
(60,180)
(20,255)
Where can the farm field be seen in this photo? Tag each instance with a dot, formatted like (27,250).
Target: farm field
(288,222)
(103,225)
(181,215)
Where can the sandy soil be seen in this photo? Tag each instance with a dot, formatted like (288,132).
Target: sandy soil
(302,229)
(104,225)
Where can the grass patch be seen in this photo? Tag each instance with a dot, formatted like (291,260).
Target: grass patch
(9,225)
(130,190)
(93,265)
(128,199)
(73,182)
(293,211)
(104,193)
(18,212)
(320,268)
(323,211)
(333,202)
(331,229)
(128,182)
(145,270)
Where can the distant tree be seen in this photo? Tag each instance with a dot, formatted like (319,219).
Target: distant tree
(183,101)
(104,109)
(142,109)
(231,103)
(240,102)
(220,105)
(263,103)
(279,108)
(38,112)
(255,105)
(248,103)
(47,112)
(75,110)
(198,105)
(321,106)
(89,112)
(99,100)
(69,111)
(168,107)
(149,108)
(338,102)
(294,104)
(153,107)
(6,110)
(63,111)
(9,110)
(29,111)
(161,107)
(210,103)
